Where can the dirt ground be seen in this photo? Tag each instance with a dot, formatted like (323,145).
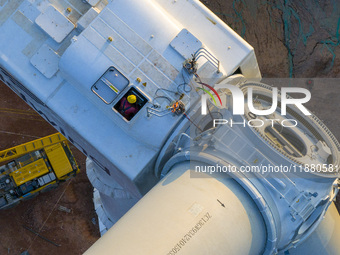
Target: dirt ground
(297,39)
(74,231)
(295,42)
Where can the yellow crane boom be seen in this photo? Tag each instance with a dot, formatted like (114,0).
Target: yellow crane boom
(25,148)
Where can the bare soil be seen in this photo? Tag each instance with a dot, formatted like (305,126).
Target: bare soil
(293,39)
(74,231)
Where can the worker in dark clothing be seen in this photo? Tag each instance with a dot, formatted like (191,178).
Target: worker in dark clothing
(128,107)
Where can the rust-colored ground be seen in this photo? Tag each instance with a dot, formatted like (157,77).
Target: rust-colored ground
(291,39)
(74,231)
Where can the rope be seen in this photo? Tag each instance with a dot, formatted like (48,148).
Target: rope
(62,194)
(12,133)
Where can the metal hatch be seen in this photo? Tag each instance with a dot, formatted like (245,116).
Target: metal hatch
(109,85)
(121,108)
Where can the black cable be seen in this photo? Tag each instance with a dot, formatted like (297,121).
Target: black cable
(192,122)
(165,97)
(184,84)
(201,83)
(167,90)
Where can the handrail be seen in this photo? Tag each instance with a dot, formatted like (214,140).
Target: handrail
(202,52)
(25,148)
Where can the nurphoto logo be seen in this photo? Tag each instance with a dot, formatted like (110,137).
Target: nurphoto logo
(239,104)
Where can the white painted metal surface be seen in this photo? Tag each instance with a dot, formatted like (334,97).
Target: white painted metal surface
(46,60)
(54,23)
(93,2)
(186,44)
(140,49)
(325,239)
(207,216)
(87,18)
(143,41)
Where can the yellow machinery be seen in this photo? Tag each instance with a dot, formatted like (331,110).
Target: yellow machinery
(33,167)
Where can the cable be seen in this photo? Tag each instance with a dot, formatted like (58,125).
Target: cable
(62,194)
(211,88)
(167,90)
(180,92)
(184,84)
(165,97)
(192,122)
(187,88)
(12,133)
